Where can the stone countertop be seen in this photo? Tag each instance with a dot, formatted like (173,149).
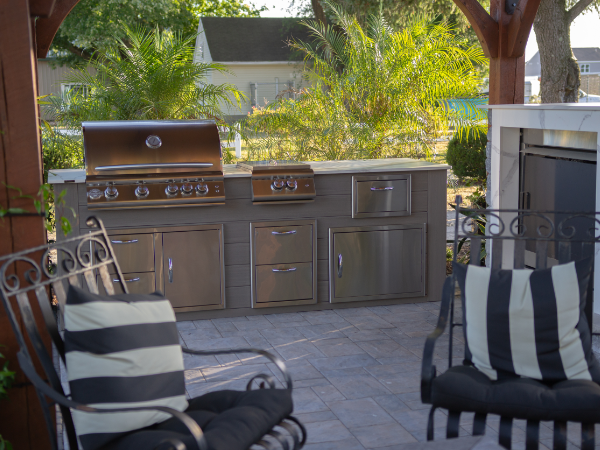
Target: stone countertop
(547,106)
(61,176)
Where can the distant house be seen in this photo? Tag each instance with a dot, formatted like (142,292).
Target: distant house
(256,51)
(588,59)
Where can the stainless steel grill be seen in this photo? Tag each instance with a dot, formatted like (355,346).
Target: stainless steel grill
(147,164)
(280,181)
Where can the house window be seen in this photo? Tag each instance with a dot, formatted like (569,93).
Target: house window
(584,68)
(74,88)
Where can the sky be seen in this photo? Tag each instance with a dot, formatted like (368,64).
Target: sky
(585,29)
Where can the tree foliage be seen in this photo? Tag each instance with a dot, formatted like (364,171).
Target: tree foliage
(466,154)
(94,24)
(376,92)
(151,76)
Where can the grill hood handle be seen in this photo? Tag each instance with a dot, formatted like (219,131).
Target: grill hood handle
(188,165)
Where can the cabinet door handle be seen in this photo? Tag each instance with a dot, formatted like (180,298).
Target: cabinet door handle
(170,270)
(291,269)
(131,241)
(386,188)
(340,265)
(131,280)
(283,232)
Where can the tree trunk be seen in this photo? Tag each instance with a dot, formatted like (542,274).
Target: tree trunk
(319,12)
(560,71)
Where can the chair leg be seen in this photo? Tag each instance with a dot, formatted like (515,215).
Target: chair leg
(587,436)
(532,437)
(560,436)
(505,438)
(453,423)
(430,423)
(479,424)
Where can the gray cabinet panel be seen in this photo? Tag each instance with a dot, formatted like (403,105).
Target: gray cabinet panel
(193,268)
(284,282)
(281,245)
(376,262)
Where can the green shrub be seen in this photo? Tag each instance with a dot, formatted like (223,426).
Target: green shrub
(466,155)
(6,379)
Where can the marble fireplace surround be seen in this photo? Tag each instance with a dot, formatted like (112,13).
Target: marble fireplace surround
(507,122)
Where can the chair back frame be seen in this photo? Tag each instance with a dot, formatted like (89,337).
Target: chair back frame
(22,277)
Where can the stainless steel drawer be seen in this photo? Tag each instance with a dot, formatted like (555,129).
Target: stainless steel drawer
(284,282)
(282,245)
(137,283)
(134,252)
(381,196)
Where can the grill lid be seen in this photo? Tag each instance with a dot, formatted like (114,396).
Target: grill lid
(161,147)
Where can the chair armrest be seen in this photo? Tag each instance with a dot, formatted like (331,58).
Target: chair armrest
(274,359)
(39,384)
(428,370)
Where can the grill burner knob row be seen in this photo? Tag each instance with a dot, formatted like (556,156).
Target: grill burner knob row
(201,188)
(278,184)
(142,191)
(291,184)
(95,194)
(111,192)
(187,188)
(171,189)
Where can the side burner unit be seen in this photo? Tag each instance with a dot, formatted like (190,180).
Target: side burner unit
(280,181)
(150,164)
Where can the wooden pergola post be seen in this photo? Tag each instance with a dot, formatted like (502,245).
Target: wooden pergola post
(503,35)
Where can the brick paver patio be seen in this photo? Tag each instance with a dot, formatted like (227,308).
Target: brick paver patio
(356,371)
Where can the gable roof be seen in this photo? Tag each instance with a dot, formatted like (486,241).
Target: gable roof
(253,38)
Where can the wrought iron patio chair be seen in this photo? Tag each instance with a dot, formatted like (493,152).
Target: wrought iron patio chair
(20,295)
(511,239)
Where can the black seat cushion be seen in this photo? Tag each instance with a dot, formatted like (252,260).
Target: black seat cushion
(464,388)
(230,420)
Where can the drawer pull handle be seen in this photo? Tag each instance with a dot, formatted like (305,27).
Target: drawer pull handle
(131,241)
(283,232)
(291,269)
(131,280)
(386,188)
(340,265)
(170,270)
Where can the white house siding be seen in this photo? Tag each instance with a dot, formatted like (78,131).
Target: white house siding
(243,74)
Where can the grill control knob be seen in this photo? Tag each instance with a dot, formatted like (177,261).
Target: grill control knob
(95,194)
(187,188)
(277,185)
(171,189)
(111,192)
(142,191)
(202,188)
(291,185)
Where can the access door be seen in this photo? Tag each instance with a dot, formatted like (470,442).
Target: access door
(380,262)
(193,268)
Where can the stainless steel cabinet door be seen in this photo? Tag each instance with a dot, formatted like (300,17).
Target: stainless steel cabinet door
(376,263)
(137,283)
(193,268)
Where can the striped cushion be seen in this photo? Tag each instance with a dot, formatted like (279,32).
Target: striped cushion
(121,351)
(528,323)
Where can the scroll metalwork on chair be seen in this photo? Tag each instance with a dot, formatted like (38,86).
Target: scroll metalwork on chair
(215,421)
(526,296)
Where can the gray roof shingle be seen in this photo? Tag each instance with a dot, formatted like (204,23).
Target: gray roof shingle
(248,39)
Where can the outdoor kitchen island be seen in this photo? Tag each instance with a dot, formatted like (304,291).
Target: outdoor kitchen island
(373,234)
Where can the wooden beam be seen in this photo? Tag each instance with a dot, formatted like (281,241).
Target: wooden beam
(484,26)
(520,25)
(41,8)
(46,28)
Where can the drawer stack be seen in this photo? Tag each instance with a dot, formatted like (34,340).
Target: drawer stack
(283,263)
(135,255)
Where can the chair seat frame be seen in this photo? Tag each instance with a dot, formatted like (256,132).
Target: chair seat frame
(21,276)
(554,228)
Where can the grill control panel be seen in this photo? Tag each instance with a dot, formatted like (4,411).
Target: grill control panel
(283,188)
(186,192)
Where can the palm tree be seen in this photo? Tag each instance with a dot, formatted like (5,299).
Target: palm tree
(376,92)
(150,75)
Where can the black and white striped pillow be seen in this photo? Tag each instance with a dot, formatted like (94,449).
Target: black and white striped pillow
(529,323)
(121,351)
